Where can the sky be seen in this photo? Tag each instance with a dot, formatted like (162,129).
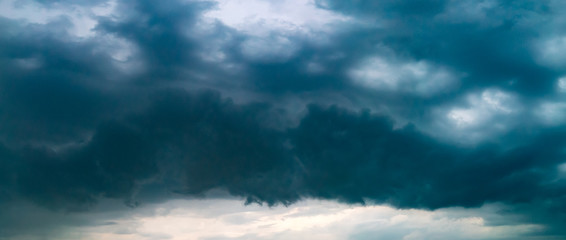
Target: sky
(290,119)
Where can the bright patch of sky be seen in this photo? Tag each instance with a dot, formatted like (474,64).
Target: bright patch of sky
(418,77)
(561,84)
(312,219)
(82,18)
(552,51)
(482,108)
(481,115)
(275,29)
(262,18)
(552,113)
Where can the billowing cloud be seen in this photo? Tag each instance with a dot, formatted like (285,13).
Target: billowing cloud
(427,104)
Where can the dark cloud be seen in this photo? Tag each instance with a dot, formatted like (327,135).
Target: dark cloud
(75,129)
(195,143)
(51,87)
(358,156)
(216,143)
(108,166)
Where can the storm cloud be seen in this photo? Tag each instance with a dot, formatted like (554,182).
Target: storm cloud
(424,104)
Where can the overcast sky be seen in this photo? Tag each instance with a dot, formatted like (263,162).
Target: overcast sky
(290,119)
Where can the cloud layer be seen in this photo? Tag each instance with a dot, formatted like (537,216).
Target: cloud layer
(416,104)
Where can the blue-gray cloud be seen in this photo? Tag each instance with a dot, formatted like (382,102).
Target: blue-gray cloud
(356,119)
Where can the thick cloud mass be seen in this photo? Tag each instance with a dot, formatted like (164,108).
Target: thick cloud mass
(416,104)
